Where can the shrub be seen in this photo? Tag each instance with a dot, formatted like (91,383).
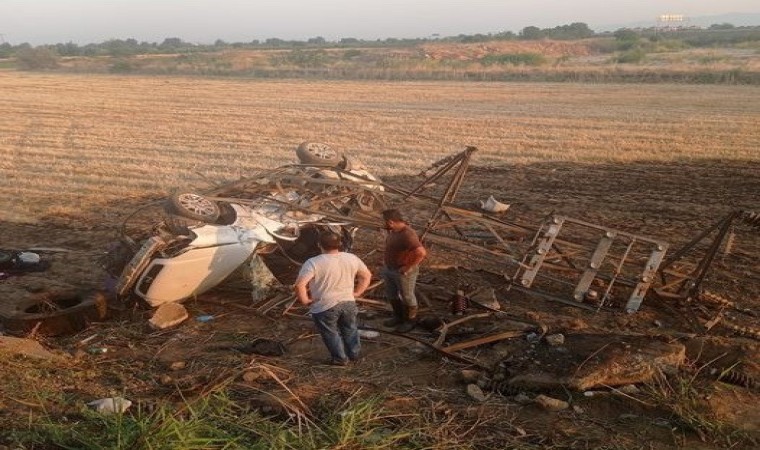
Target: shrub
(121,66)
(633,56)
(313,58)
(516,59)
(351,54)
(38,58)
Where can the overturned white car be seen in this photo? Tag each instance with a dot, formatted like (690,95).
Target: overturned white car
(200,239)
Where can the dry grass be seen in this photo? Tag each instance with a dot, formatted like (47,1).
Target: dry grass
(71,139)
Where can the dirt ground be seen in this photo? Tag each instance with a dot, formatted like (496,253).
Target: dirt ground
(673,202)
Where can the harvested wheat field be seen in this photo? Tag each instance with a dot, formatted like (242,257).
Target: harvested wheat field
(79,153)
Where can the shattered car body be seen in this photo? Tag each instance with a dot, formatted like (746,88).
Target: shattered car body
(180,260)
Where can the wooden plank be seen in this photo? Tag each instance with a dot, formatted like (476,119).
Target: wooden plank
(483,340)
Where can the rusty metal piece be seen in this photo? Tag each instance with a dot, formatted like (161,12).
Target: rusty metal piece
(750,332)
(690,284)
(737,378)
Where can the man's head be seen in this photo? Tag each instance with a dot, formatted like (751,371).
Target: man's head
(394,220)
(329,241)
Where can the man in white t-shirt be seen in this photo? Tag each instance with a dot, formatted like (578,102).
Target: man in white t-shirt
(329,284)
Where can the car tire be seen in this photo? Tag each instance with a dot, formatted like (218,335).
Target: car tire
(6,259)
(56,315)
(318,154)
(194,206)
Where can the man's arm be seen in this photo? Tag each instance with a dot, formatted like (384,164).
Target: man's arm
(302,293)
(416,257)
(363,277)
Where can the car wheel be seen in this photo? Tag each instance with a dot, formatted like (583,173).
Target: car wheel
(194,206)
(6,259)
(318,154)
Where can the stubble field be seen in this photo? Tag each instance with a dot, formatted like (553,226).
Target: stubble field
(84,142)
(77,153)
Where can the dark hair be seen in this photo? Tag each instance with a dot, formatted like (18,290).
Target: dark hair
(394,215)
(330,241)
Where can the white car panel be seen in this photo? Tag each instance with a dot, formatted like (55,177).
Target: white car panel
(191,273)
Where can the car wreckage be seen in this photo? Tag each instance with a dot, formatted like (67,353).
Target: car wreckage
(265,225)
(273,218)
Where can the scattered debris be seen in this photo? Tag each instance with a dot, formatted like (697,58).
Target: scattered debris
(168,315)
(369,334)
(555,340)
(550,404)
(469,375)
(494,206)
(474,391)
(16,262)
(110,405)
(26,347)
(594,361)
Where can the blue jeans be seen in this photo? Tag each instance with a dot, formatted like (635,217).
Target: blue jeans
(401,286)
(338,328)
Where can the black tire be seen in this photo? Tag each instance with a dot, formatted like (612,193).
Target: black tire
(6,259)
(318,154)
(194,206)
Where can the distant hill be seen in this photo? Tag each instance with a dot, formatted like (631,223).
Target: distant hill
(737,19)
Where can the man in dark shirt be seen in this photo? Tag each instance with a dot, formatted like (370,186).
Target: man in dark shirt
(403,254)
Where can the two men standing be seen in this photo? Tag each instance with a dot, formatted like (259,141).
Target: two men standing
(329,284)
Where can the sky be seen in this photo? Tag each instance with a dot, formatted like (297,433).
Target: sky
(204,21)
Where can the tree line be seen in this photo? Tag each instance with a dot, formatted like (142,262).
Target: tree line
(46,56)
(130,47)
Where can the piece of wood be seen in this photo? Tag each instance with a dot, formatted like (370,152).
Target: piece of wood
(483,340)
(445,327)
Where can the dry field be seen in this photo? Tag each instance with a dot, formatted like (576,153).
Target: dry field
(70,142)
(78,152)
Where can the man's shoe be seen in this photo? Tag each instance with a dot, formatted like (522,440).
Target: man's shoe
(410,320)
(393,321)
(339,362)
(406,326)
(398,314)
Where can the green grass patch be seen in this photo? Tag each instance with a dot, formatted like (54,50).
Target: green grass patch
(218,422)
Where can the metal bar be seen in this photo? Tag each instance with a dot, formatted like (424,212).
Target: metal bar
(544,245)
(704,265)
(647,277)
(618,269)
(597,258)
(688,247)
(553,298)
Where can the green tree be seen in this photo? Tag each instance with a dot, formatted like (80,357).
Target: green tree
(626,39)
(532,32)
(38,58)
(6,50)
(721,26)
